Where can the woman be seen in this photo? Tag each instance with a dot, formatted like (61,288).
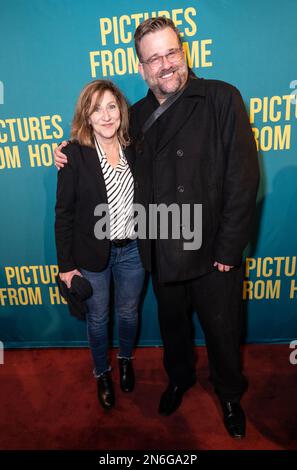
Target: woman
(98,173)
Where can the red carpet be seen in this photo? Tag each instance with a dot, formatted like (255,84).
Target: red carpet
(48,401)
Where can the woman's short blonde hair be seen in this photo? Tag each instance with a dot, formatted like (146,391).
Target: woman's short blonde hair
(81,130)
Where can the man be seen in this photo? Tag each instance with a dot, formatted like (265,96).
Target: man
(199,151)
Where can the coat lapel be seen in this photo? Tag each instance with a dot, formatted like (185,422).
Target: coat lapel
(178,114)
(150,104)
(130,156)
(174,120)
(91,158)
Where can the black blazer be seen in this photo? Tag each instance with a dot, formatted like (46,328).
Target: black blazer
(80,189)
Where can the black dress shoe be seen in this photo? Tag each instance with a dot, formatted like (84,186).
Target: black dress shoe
(234,419)
(127,377)
(105,390)
(172,397)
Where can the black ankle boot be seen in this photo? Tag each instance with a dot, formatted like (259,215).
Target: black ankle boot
(105,390)
(127,377)
(234,419)
(172,397)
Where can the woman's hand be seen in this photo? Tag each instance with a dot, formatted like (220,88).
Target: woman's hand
(67,277)
(60,157)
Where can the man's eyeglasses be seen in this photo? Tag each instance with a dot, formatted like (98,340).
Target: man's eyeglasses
(172,57)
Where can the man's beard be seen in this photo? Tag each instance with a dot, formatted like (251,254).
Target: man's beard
(181,75)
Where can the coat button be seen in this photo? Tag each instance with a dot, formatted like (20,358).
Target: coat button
(136,185)
(179,153)
(180,189)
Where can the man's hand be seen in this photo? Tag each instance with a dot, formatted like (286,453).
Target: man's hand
(67,277)
(222,267)
(60,158)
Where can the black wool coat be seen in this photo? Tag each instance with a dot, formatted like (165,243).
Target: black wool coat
(200,151)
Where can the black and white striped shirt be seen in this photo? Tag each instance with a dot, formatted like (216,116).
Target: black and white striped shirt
(120,192)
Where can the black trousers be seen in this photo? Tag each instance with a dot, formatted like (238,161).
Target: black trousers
(217,299)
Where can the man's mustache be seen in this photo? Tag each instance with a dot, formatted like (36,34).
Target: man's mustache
(166,72)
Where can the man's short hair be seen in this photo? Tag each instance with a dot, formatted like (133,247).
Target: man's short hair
(151,25)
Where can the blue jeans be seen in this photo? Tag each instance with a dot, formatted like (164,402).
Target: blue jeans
(128,274)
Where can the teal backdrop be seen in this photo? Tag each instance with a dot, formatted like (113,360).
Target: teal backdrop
(49,50)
